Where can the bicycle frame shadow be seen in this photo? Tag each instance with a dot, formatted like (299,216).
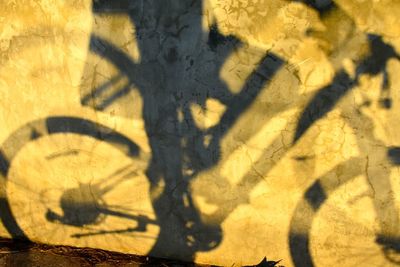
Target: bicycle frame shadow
(179,66)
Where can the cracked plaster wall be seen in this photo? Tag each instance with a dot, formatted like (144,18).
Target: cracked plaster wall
(251,193)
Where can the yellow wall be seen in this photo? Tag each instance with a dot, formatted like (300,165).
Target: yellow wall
(335,187)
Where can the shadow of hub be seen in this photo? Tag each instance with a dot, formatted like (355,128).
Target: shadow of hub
(80,206)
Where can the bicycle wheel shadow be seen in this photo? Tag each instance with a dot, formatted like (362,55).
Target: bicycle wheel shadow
(179,67)
(372,62)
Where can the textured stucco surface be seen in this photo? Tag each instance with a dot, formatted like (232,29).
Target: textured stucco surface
(252,199)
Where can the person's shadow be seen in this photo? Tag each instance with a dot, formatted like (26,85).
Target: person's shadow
(179,66)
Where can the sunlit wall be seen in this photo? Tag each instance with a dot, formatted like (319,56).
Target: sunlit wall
(214,131)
